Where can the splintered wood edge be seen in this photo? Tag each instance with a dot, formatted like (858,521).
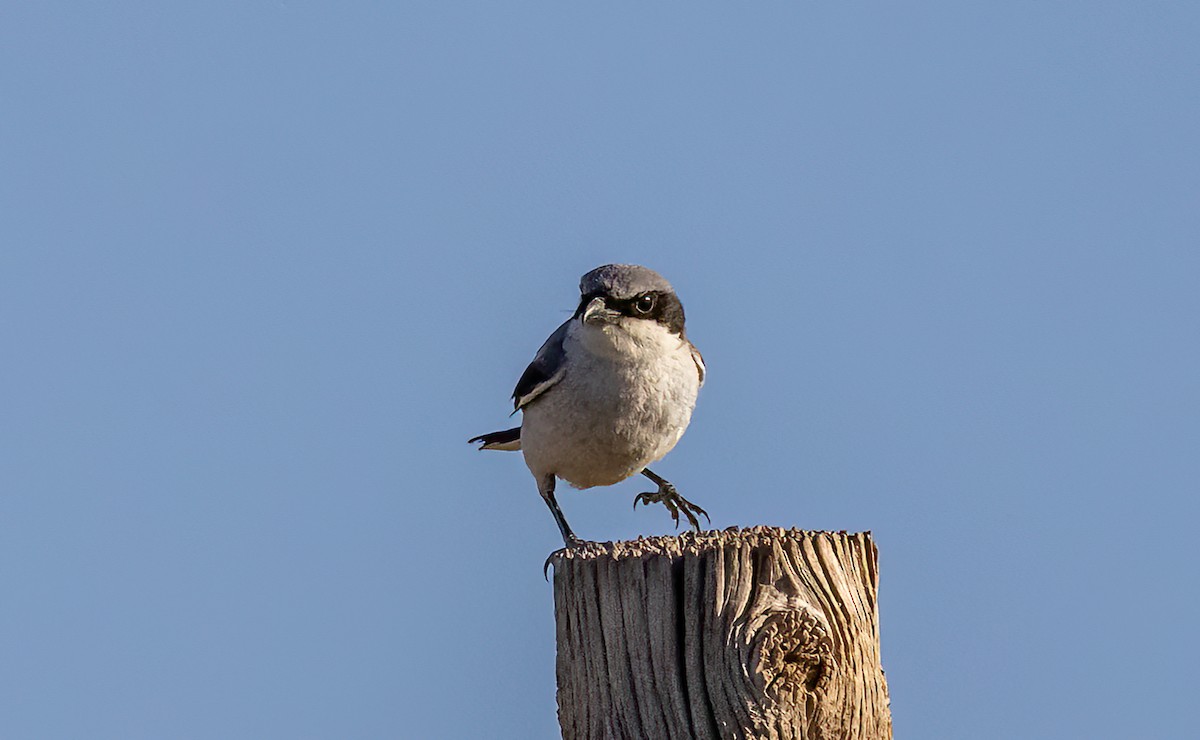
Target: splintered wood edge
(696,543)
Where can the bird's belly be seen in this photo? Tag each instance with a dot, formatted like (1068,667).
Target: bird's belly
(603,431)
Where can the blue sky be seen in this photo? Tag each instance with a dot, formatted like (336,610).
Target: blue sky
(267,266)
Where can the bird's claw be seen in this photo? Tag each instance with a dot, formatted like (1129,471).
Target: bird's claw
(675,503)
(574,542)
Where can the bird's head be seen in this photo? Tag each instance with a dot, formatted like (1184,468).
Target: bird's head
(629,301)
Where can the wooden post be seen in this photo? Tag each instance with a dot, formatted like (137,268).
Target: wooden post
(754,633)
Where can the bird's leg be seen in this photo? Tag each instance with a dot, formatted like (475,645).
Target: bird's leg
(546,488)
(670,498)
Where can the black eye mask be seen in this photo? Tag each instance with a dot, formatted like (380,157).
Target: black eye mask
(665,309)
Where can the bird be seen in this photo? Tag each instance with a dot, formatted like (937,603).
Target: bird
(609,393)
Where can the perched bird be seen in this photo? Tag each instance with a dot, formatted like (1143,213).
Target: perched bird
(610,392)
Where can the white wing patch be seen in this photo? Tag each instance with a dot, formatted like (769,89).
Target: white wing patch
(546,369)
(538,390)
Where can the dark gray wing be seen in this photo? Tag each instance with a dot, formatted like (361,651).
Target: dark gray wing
(546,369)
(697,358)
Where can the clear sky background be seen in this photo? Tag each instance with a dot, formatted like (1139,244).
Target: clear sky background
(265,267)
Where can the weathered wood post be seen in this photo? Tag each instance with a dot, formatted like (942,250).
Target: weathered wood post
(755,633)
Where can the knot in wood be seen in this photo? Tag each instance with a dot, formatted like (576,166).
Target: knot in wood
(793,651)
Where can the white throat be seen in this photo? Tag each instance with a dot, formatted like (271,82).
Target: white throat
(628,338)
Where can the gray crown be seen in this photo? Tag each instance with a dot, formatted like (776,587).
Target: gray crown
(623,281)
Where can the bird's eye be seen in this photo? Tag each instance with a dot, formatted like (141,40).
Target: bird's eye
(644,304)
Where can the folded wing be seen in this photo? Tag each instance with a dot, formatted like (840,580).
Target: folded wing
(546,369)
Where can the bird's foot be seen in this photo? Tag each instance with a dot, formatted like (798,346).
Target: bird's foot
(675,503)
(572,542)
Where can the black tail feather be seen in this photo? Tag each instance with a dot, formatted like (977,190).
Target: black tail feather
(499,440)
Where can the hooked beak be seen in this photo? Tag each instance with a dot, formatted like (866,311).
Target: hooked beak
(598,313)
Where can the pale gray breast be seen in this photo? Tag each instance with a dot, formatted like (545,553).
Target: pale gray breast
(608,418)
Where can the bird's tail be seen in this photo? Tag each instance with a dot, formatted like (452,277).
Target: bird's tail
(509,439)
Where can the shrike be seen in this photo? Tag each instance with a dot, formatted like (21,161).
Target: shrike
(611,391)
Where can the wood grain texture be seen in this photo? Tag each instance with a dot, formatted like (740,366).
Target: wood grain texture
(754,633)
